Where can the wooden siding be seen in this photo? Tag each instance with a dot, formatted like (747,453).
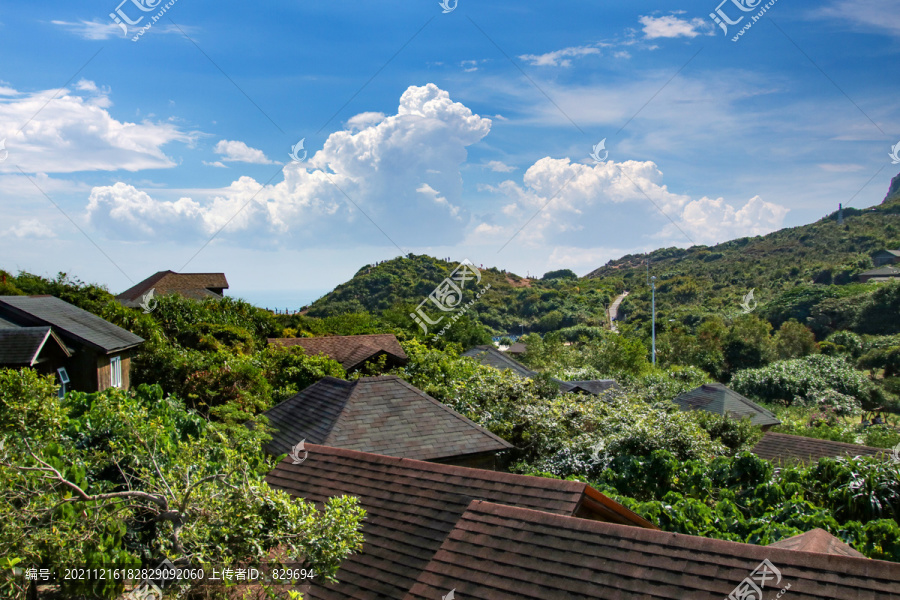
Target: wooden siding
(104,372)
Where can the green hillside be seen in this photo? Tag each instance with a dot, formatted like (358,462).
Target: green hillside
(805,272)
(395,288)
(808,273)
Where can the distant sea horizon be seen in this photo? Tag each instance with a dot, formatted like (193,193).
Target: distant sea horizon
(281,300)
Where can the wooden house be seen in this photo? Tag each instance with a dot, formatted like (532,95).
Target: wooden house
(86,352)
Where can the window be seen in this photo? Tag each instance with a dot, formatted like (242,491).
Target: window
(63,380)
(115,371)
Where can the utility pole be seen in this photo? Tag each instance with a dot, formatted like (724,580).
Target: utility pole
(653,318)
(840,214)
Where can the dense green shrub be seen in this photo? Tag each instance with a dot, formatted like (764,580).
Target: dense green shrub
(185,488)
(791,381)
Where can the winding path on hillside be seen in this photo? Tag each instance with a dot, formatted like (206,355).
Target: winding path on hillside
(614,310)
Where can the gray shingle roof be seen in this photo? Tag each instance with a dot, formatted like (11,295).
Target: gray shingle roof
(23,345)
(491,357)
(591,386)
(884,271)
(716,398)
(782,447)
(382,415)
(68,321)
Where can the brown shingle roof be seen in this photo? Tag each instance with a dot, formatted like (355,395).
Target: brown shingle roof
(716,398)
(789,448)
(411,507)
(192,285)
(506,553)
(349,350)
(384,415)
(818,541)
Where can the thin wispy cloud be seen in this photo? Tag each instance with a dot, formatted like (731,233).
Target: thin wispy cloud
(560,58)
(872,15)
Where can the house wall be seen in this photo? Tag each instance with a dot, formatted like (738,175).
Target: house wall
(82,370)
(104,372)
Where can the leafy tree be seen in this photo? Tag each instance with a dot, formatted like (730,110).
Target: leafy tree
(794,340)
(748,344)
(128,478)
(560,274)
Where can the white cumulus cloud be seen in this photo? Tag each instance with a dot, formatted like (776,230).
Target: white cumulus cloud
(401,172)
(69,133)
(234,151)
(670,26)
(30,228)
(575,204)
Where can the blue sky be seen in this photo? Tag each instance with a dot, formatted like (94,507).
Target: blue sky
(465,134)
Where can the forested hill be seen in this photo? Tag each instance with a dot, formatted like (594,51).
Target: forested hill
(808,273)
(395,288)
(806,264)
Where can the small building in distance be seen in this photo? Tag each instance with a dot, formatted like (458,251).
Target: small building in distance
(86,352)
(716,398)
(352,351)
(885,273)
(782,448)
(885,257)
(516,348)
(382,415)
(818,541)
(196,286)
(492,357)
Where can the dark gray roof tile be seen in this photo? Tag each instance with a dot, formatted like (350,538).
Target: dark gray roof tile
(716,398)
(383,415)
(69,322)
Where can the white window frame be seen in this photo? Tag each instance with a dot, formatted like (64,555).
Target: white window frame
(63,380)
(115,371)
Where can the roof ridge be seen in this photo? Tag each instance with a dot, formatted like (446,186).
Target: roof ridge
(861,566)
(443,468)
